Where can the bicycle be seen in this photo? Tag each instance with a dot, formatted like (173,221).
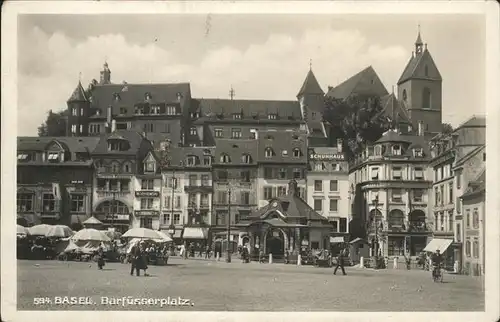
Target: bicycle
(437,274)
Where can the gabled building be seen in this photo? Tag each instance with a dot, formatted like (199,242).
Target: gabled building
(366,82)
(54,180)
(390,181)
(120,157)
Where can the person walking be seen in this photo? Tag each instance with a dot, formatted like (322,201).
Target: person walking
(340,262)
(135,254)
(100,258)
(143,260)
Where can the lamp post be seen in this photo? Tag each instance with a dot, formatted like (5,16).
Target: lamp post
(171,231)
(375,257)
(228,251)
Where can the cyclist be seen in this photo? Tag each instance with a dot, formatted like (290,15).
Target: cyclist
(436,259)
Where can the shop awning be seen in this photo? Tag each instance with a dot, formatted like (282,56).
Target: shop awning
(336,240)
(437,243)
(177,234)
(357,240)
(195,233)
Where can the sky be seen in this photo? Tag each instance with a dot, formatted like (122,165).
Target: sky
(260,56)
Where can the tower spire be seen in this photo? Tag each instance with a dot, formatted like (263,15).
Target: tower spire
(310,63)
(231,93)
(418,43)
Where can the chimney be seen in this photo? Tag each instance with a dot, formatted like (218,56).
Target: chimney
(420,128)
(113,126)
(339,145)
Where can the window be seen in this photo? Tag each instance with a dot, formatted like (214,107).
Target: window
(246,158)
(191,160)
(191,200)
(334,204)
(318,185)
(268,193)
(148,127)
(281,191)
(272,116)
(419,173)
(74,111)
(178,202)
(467,218)
(224,158)
(475,248)
(146,203)
(222,197)
(269,153)
(167,130)
(204,200)
(24,202)
(166,219)
(172,183)
(343,225)
(123,110)
(49,203)
(221,218)
(467,248)
(284,153)
(374,173)
(77,204)
(335,226)
(396,149)
(146,222)
(237,116)
(147,184)
(396,173)
(235,133)
(205,180)
(396,195)
(459,233)
(268,173)
(207,160)
(426,98)
(22,157)
(177,219)
(53,156)
(450,220)
(450,192)
(193,180)
(253,134)
(459,180)
(378,150)
(149,166)
(222,175)
(171,110)
(334,185)
(418,195)
(437,197)
(245,198)
(193,131)
(219,133)
(297,153)
(81,128)
(441,194)
(475,219)
(484,156)
(418,152)
(318,204)
(297,173)
(282,173)
(245,176)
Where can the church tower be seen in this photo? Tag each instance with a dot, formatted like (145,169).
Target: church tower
(311,98)
(78,112)
(420,89)
(105,75)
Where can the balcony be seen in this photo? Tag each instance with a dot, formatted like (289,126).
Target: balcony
(110,193)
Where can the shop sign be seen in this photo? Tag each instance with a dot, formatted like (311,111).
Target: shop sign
(326,157)
(150,194)
(146,213)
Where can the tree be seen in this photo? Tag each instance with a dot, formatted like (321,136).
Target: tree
(356,120)
(54,125)
(446,128)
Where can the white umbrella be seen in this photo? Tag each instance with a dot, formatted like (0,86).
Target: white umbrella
(164,237)
(90,234)
(112,234)
(39,230)
(59,231)
(92,221)
(22,230)
(142,233)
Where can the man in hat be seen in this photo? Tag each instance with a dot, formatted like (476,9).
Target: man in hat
(135,254)
(340,262)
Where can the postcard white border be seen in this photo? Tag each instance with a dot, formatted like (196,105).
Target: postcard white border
(489,9)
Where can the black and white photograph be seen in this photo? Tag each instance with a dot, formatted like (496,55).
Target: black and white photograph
(218,157)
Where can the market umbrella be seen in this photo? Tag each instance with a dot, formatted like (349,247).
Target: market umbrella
(59,231)
(90,234)
(22,230)
(91,222)
(164,237)
(39,230)
(143,233)
(112,234)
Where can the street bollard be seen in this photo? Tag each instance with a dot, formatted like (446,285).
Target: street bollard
(395,263)
(362,262)
(218,256)
(270,258)
(299,260)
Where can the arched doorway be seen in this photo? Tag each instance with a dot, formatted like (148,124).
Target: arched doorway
(275,242)
(116,213)
(417,220)
(396,219)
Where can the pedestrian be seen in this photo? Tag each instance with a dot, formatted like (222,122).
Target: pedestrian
(182,250)
(340,262)
(100,258)
(143,260)
(207,252)
(135,254)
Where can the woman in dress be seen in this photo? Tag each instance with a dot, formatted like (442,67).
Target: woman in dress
(143,262)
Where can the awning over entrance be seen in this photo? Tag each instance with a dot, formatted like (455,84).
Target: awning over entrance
(437,243)
(336,240)
(195,233)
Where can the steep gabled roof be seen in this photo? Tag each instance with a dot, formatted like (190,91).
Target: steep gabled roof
(78,94)
(394,109)
(414,65)
(474,121)
(366,82)
(469,155)
(74,144)
(310,85)
(477,185)
(135,140)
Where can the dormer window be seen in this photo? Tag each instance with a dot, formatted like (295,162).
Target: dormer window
(193,131)
(116,96)
(396,149)
(149,166)
(378,150)
(97,112)
(272,116)
(179,96)
(117,145)
(171,110)
(191,160)
(53,156)
(269,153)
(297,153)
(155,109)
(418,152)
(246,158)
(139,110)
(147,96)
(237,116)
(207,160)
(224,158)
(22,157)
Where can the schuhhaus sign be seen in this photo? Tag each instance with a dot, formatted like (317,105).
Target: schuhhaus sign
(143,194)
(326,156)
